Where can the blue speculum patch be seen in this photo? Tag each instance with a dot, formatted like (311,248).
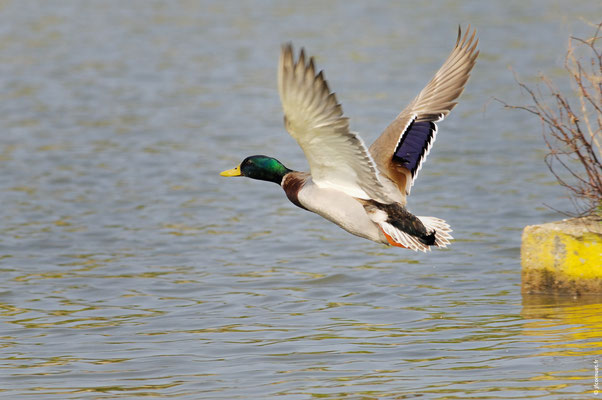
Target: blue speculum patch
(413,144)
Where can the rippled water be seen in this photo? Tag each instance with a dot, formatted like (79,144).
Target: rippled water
(131,269)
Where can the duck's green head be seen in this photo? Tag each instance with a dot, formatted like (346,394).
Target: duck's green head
(259,167)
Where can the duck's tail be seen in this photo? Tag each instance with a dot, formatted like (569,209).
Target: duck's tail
(441,229)
(438,235)
(403,229)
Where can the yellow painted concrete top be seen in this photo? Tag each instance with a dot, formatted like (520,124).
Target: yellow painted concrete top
(564,254)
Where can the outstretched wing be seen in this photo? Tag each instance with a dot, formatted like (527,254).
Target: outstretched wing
(402,148)
(337,158)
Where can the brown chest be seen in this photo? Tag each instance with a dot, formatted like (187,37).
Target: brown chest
(292,184)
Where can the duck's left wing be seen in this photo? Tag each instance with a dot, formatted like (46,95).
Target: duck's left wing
(402,148)
(337,157)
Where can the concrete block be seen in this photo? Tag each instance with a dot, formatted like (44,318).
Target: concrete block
(563,257)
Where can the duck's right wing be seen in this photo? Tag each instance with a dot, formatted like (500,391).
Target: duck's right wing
(337,157)
(402,148)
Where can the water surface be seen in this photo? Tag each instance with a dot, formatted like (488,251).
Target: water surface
(131,269)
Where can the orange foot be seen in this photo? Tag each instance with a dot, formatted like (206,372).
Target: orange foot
(391,241)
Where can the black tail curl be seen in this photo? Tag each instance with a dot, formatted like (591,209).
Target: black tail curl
(429,239)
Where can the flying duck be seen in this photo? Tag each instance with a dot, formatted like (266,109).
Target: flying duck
(363,190)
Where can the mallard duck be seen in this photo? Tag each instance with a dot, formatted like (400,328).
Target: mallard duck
(362,190)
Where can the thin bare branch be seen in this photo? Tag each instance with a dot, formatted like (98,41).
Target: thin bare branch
(571,135)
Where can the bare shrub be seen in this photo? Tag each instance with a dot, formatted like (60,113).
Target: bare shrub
(572,128)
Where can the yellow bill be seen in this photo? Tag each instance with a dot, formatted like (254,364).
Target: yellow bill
(232,172)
